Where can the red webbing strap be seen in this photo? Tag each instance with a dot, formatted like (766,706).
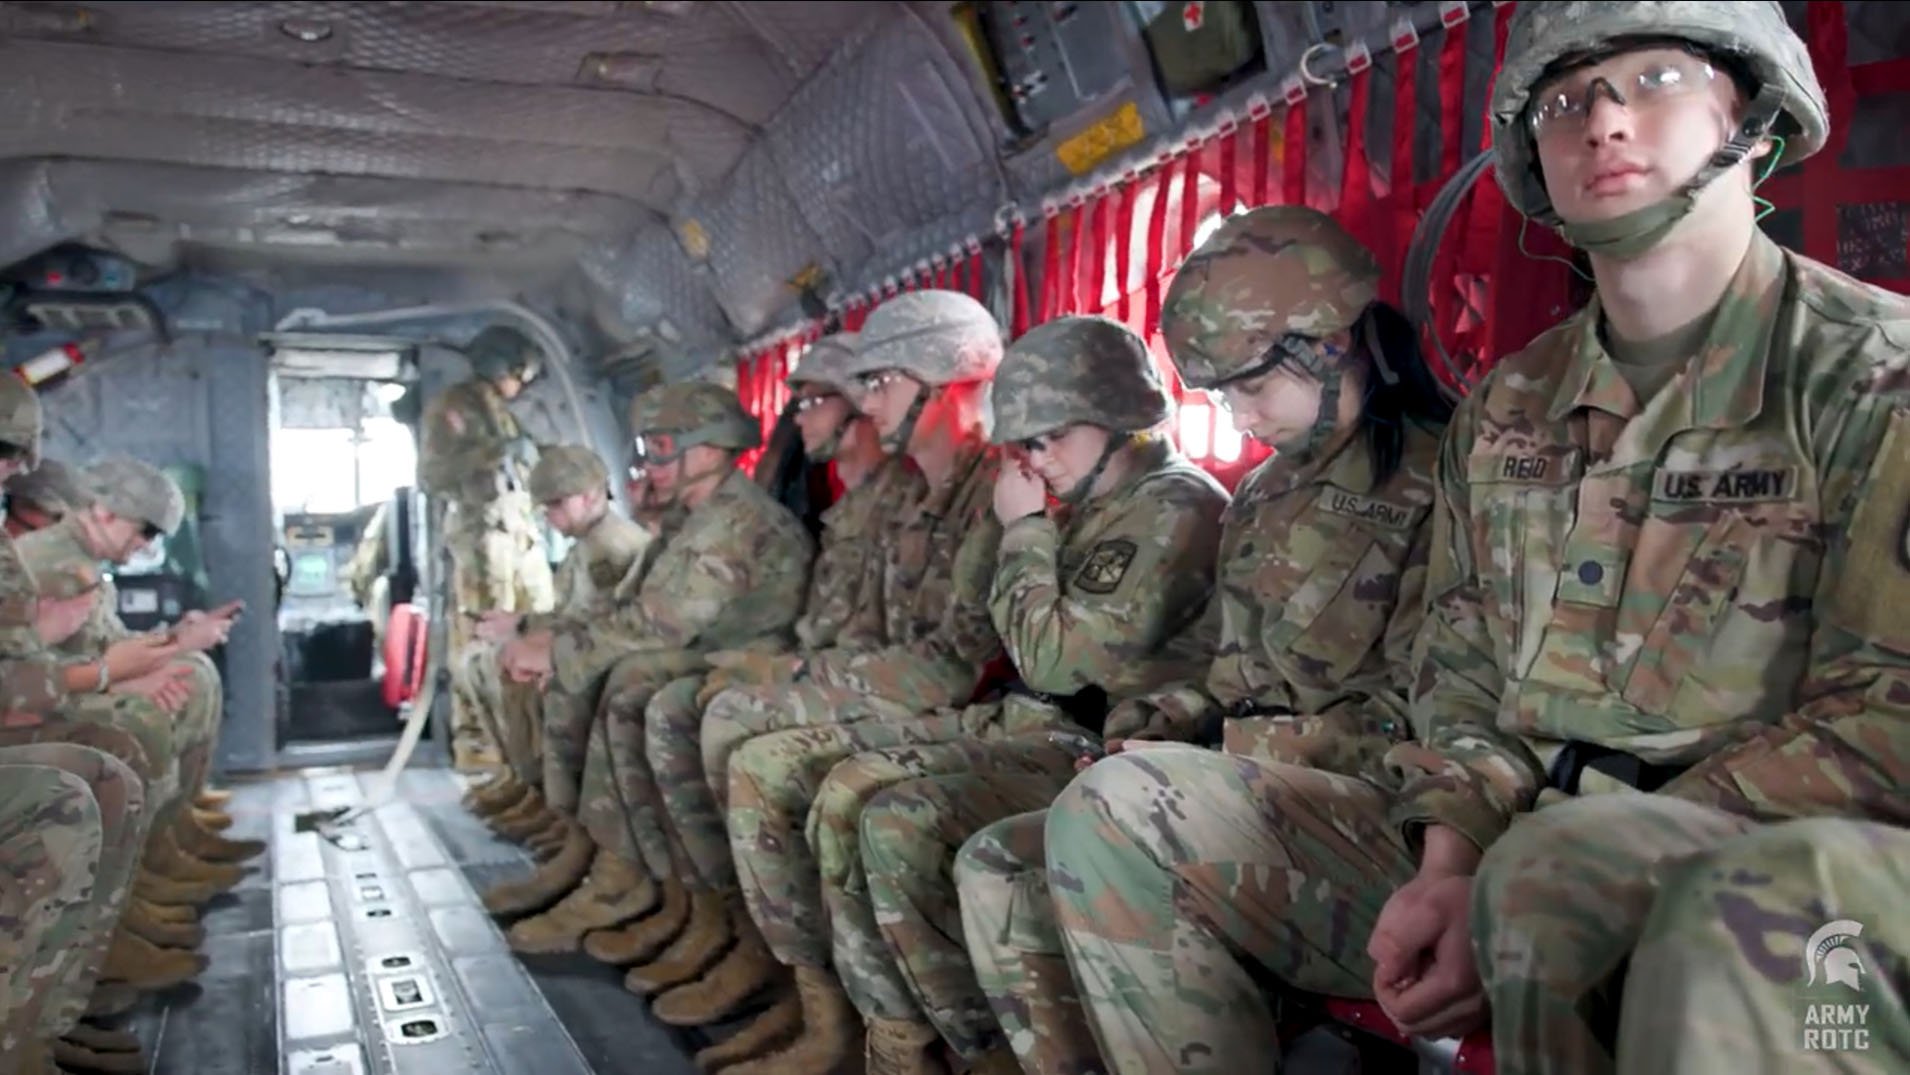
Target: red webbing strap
(1019,266)
(1097,252)
(977,281)
(1356,183)
(1828,37)
(1050,271)
(1452,101)
(1262,157)
(1124,245)
(1077,250)
(1405,115)
(1189,203)
(1481,218)
(1156,240)
(1293,155)
(1229,161)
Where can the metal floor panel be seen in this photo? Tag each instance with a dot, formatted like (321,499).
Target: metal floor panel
(376,958)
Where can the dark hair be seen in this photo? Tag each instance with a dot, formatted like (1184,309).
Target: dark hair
(1383,334)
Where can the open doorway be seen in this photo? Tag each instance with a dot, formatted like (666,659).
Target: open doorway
(344,466)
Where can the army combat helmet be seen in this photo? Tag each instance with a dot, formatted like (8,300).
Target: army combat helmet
(825,364)
(501,351)
(939,338)
(567,470)
(137,491)
(689,413)
(54,487)
(1271,287)
(1748,38)
(21,420)
(1078,371)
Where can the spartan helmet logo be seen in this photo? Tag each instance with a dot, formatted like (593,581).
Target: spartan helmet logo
(1830,946)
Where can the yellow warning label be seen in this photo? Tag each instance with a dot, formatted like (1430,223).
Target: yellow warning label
(1105,137)
(696,241)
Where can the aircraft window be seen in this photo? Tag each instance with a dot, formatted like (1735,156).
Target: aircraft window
(312,470)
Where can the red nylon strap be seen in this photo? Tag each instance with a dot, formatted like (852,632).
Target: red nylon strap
(1405,115)
(1050,271)
(1884,76)
(1293,156)
(1356,180)
(1262,157)
(1229,160)
(1452,100)
(1124,247)
(1189,202)
(1020,266)
(976,285)
(1156,241)
(1097,253)
(1070,293)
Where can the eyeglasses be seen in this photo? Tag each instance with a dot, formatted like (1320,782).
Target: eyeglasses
(810,403)
(1637,81)
(653,450)
(1041,442)
(881,379)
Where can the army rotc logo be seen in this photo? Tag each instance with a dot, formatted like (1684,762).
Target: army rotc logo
(1107,565)
(1834,1019)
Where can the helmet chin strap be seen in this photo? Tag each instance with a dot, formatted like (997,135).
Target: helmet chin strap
(1084,487)
(898,441)
(1632,234)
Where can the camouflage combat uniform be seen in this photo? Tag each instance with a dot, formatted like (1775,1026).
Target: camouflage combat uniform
(468,460)
(1085,603)
(765,749)
(72,820)
(1704,593)
(588,584)
(731,577)
(1168,869)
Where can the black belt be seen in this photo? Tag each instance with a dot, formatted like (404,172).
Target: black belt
(1626,768)
(1212,730)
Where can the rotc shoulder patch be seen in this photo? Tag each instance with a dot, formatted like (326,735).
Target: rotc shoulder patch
(1106,566)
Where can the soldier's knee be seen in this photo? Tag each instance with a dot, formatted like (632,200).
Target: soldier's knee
(764,764)
(892,831)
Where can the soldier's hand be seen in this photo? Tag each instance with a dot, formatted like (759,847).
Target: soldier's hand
(169,687)
(1424,975)
(527,660)
(137,657)
(755,668)
(1019,493)
(60,618)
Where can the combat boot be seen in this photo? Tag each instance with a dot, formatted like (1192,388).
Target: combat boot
(165,856)
(612,893)
(163,933)
(550,840)
(170,913)
(74,1057)
(526,820)
(776,1027)
(831,1038)
(161,889)
(728,985)
(551,881)
(201,844)
(110,999)
(642,940)
(491,802)
(211,820)
(902,1047)
(146,966)
(696,949)
(101,1040)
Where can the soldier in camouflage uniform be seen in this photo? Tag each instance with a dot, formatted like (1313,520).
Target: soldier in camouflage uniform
(1319,597)
(475,459)
(1086,600)
(924,359)
(38,498)
(731,575)
(623,792)
(572,486)
(1709,469)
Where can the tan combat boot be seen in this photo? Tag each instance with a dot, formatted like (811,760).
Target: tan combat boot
(703,940)
(614,892)
(204,845)
(211,820)
(146,966)
(161,889)
(166,857)
(170,913)
(492,801)
(831,1041)
(902,1047)
(167,934)
(526,820)
(101,1040)
(74,1057)
(550,840)
(551,881)
(728,985)
(110,999)
(642,940)
(776,1027)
